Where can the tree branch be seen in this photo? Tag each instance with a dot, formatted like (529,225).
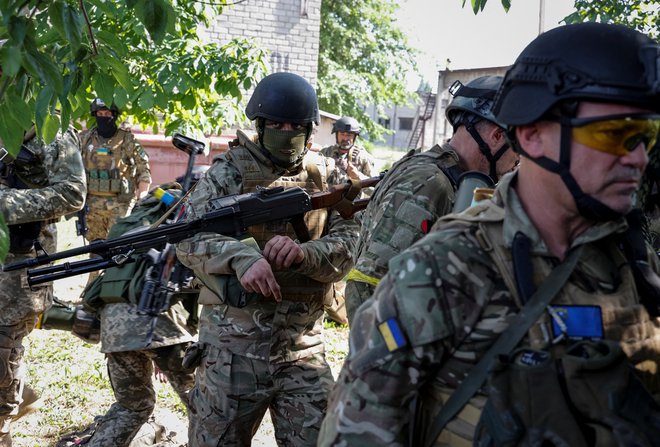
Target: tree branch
(89,28)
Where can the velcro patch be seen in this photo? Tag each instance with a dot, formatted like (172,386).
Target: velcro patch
(392,334)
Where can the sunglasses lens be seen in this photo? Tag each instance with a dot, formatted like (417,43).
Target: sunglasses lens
(617,136)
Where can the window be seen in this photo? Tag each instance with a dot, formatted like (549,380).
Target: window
(385,122)
(405,123)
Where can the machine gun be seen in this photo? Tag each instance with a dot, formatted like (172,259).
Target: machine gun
(229,215)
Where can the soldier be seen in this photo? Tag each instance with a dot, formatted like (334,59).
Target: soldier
(351,162)
(42,183)
(420,187)
(269,353)
(581,102)
(117,169)
(133,343)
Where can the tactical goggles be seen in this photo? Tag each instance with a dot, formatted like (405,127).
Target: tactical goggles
(616,134)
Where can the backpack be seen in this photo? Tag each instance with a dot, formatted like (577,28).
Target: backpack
(124,283)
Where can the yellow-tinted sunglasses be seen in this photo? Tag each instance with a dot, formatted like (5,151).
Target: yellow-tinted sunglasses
(616,134)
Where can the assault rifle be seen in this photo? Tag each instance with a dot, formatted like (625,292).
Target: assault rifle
(229,215)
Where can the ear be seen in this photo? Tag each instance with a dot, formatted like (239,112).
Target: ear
(496,137)
(530,138)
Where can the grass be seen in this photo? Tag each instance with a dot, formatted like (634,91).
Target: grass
(71,377)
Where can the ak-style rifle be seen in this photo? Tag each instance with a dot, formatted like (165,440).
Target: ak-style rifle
(229,215)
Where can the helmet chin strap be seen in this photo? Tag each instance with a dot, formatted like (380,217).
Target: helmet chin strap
(485,151)
(588,206)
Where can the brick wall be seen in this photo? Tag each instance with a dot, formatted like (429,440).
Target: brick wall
(288,29)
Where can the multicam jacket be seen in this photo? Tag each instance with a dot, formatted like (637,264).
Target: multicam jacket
(445,301)
(415,192)
(266,330)
(360,158)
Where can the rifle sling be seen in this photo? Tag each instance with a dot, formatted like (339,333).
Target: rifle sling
(504,344)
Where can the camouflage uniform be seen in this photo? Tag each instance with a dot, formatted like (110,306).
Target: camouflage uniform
(415,192)
(360,158)
(451,300)
(266,354)
(364,163)
(130,367)
(55,185)
(114,167)
(130,356)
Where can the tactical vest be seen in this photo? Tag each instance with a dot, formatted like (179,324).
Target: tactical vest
(376,255)
(295,287)
(109,169)
(623,316)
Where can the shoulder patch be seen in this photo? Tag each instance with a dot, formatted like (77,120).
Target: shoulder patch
(392,334)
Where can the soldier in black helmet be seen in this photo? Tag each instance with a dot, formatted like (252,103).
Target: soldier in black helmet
(531,318)
(265,353)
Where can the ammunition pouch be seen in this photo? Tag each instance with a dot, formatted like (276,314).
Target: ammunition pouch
(228,289)
(587,396)
(22,236)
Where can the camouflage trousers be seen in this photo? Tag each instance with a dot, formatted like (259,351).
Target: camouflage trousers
(232,393)
(103,213)
(131,375)
(355,294)
(12,371)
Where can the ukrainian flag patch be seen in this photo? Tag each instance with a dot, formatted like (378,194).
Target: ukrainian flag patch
(102,151)
(392,334)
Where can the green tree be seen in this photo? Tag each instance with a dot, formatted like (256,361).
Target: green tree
(642,15)
(146,56)
(363,59)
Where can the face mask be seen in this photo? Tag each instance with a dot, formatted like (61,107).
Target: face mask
(286,146)
(106,126)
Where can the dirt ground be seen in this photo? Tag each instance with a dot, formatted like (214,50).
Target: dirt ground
(71,378)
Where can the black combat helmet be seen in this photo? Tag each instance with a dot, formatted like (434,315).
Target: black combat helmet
(587,61)
(284,97)
(472,103)
(583,62)
(346,124)
(98,104)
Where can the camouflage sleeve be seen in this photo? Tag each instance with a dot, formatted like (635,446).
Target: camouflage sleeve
(395,220)
(212,253)
(434,296)
(366,163)
(142,169)
(329,258)
(65,184)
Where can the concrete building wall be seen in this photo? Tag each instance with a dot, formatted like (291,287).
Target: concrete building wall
(288,29)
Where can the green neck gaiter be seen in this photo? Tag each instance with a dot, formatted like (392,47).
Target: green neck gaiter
(286,146)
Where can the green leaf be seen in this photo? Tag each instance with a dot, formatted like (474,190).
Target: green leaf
(42,107)
(56,16)
(11,131)
(121,97)
(51,127)
(104,86)
(72,26)
(4,239)
(120,72)
(17,29)
(154,15)
(11,60)
(112,41)
(44,67)
(19,110)
(146,99)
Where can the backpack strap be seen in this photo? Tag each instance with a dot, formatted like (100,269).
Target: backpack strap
(508,340)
